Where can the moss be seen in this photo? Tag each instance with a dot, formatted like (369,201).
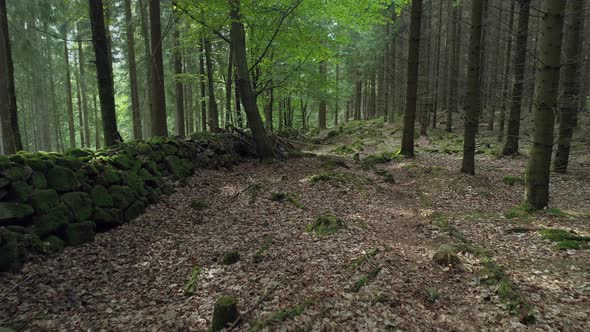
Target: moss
(365,280)
(107,218)
(62,179)
(343,149)
(555,212)
(325,225)
(144,148)
(79,233)
(79,203)
(295,202)
(519,212)
(53,245)
(38,180)
(15,173)
(330,177)
(554,234)
(333,163)
(513,180)
(280,316)
(122,196)
(123,161)
(252,190)
(445,256)
(100,197)
(79,153)
(199,204)
(225,312)
(190,288)
(278,196)
(4,162)
(44,200)
(230,257)
(12,251)
(568,244)
(259,255)
(135,182)
(14,211)
(380,158)
(333,133)
(177,166)
(19,191)
(112,175)
(364,258)
(71,163)
(18,158)
(134,210)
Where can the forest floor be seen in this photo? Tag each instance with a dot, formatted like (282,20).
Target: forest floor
(132,278)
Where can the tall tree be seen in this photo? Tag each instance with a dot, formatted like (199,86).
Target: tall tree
(506,86)
(85,130)
(322,110)
(179,123)
(238,41)
(213,110)
(11,140)
(202,79)
(455,49)
(513,131)
(407,147)
(547,77)
(69,102)
(130,30)
(571,84)
(158,96)
(104,73)
(473,88)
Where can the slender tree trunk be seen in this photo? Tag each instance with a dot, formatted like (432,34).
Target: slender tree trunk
(83,91)
(407,146)
(133,86)
(104,73)
(473,88)
(455,60)
(358,96)
(158,95)
(494,78)
(323,106)
(513,132)
(80,112)
(437,67)
(8,108)
(97,139)
(506,75)
(238,41)
(537,179)
(336,102)
(213,110)
(237,100)
(268,110)
(203,92)
(146,127)
(179,123)
(69,101)
(571,87)
(228,85)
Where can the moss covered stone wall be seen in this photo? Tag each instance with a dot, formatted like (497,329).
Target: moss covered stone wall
(52,200)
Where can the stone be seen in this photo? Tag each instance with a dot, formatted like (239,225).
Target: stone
(134,210)
(79,233)
(62,179)
(38,180)
(4,162)
(122,196)
(14,211)
(112,175)
(123,161)
(101,197)
(52,222)
(19,191)
(44,200)
(14,173)
(79,203)
(53,245)
(12,251)
(106,218)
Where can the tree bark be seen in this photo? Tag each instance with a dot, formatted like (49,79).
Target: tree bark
(323,106)
(69,101)
(513,131)
(407,146)
(158,96)
(238,41)
(203,87)
(437,66)
(228,86)
(104,73)
(473,88)
(213,110)
(84,123)
(133,86)
(538,170)
(506,75)
(571,87)
(179,123)
(455,60)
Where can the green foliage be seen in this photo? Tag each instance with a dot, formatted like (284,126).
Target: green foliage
(325,225)
(230,257)
(190,287)
(380,158)
(78,233)
(568,244)
(225,312)
(199,204)
(555,212)
(364,280)
(280,316)
(513,180)
(330,176)
(278,196)
(565,239)
(519,212)
(364,258)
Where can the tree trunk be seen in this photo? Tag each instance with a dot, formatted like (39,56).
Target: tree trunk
(11,140)
(84,123)
(238,41)
(358,96)
(158,96)
(96,122)
(135,115)
(213,111)
(437,67)
(571,87)
(473,88)
(322,110)
(407,148)
(69,101)
(104,73)
(80,112)
(228,85)
(179,123)
(513,132)
(203,92)
(505,88)
(336,102)
(537,179)
(268,110)
(455,60)
(146,127)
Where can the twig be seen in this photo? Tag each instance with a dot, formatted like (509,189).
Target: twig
(20,328)
(16,286)
(260,300)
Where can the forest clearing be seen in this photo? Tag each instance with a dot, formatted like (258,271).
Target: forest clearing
(290,165)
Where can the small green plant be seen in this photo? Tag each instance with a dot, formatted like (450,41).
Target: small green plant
(259,255)
(554,234)
(325,225)
(343,149)
(295,202)
(280,316)
(278,196)
(513,180)
(556,212)
(568,244)
(230,257)
(191,286)
(329,177)
(333,133)
(519,212)
(380,158)
(199,204)
(432,294)
(253,190)
(364,258)
(365,279)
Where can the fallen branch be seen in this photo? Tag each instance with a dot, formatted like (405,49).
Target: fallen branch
(260,300)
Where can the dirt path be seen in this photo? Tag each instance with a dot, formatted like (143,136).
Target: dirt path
(131,278)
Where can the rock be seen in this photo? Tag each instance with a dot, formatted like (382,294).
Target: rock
(12,252)
(325,225)
(44,200)
(106,218)
(79,153)
(123,196)
(40,165)
(225,313)
(135,183)
(79,203)
(18,159)
(101,197)
(80,232)
(19,191)
(38,180)
(69,162)
(53,245)
(15,173)
(62,179)
(123,161)
(134,210)
(445,256)
(10,211)
(4,162)
(52,222)
(112,175)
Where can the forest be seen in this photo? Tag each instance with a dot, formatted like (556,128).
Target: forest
(294,165)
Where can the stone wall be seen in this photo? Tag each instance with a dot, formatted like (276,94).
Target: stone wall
(52,200)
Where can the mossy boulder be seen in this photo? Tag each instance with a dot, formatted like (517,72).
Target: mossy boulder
(100,197)
(40,165)
(52,222)
(80,232)
(19,191)
(123,161)
(38,180)
(79,203)
(112,175)
(134,210)
(15,173)
(4,162)
(62,179)
(69,162)
(44,200)
(230,257)
(53,245)
(79,153)
(178,166)
(135,183)
(12,251)
(122,196)
(106,218)
(169,149)
(12,211)
(446,256)
(325,225)
(225,312)
(18,158)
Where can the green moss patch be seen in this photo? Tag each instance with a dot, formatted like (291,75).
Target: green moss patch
(79,204)
(364,258)
(225,312)
(555,212)
(52,222)
(330,176)
(190,288)
(199,204)
(519,212)
(325,225)
(380,158)
(79,233)
(513,180)
(446,256)
(565,239)
(62,179)
(230,257)
(14,211)
(280,316)
(364,280)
